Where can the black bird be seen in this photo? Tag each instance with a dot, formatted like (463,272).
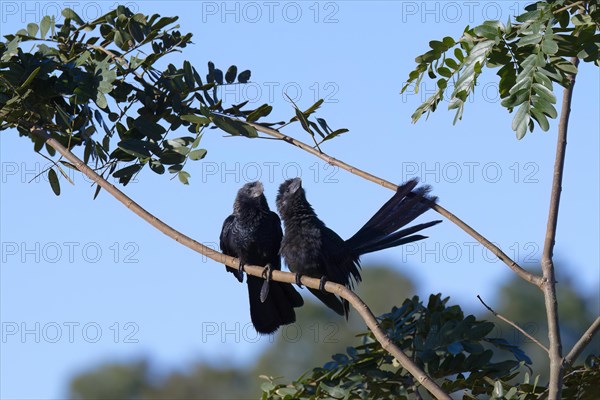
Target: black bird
(253,234)
(311,248)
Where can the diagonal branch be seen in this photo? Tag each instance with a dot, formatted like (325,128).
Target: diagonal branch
(279,276)
(549,281)
(524,274)
(581,344)
(514,325)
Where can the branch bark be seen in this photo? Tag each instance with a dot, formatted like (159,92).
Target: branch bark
(280,276)
(549,282)
(524,274)
(581,344)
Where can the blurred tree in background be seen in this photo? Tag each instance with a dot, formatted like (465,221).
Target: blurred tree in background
(319,333)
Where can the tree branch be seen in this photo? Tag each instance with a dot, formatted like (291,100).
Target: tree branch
(279,276)
(524,274)
(581,344)
(514,325)
(549,281)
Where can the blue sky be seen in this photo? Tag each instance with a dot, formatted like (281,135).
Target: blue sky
(86,281)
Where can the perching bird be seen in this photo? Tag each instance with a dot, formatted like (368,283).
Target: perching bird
(253,234)
(311,248)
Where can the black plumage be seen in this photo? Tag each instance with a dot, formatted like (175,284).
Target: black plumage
(310,248)
(253,234)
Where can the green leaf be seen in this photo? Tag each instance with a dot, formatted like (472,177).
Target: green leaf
(459,55)
(521,120)
(134,147)
(543,79)
(149,128)
(183,177)
(197,154)
(544,92)
(486,31)
(32,29)
(286,391)
(234,127)
(437,45)
(260,112)
(45,25)
(97,191)
(101,100)
(544,106)
(565,66)
(127,171)
(511,393)
(448,41)
(451,63)
(244,76)
(231,74)
(549,46)
(173,169)
(313,108)
(50,150)
(498,391)
(195,119)
(445,72)
(529,40)
(53,179)
(136,31)
(541,119)
(30,78)
(68,13)
(334,134)
(188,74)
(157,167)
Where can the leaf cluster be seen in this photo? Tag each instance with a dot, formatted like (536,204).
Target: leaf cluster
(455,350)
(532,53)
(100,86)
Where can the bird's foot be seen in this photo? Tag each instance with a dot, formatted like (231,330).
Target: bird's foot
(322,283)
(267,274)
(298,280)
(239,274)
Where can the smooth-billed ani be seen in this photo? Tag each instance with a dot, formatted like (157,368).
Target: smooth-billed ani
(253,234)
(311,248)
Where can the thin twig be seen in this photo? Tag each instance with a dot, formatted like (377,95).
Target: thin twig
(279,276)
(514,325)
(549,281)
(524,274)
(581,344)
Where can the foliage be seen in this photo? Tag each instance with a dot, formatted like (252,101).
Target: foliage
(532,55)
(94,90)
(451,348)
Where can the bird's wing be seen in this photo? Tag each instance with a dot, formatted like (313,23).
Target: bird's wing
(227,244)
(274,241)
(226,239)
(337,259)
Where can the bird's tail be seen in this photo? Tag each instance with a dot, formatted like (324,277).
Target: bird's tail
(340,306)
(278,307)
(381,231)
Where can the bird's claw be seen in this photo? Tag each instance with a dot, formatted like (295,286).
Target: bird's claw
(322,283)
(239,274)
(267,274)
(298,280)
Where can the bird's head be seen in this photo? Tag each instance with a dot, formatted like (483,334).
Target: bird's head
(252,189)
(251,194)
(288,190)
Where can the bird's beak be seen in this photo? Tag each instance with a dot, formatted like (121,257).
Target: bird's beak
(295,185)
(258,189)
